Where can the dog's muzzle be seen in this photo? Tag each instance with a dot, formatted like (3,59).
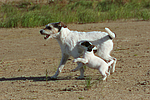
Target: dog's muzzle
(46,35)
(41,31)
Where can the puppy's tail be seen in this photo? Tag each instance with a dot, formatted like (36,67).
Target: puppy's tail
(110,33)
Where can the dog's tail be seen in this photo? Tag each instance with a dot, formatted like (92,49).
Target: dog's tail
(110,33)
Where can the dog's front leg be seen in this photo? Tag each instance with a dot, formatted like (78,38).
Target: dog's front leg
(76,69)
(61,65)
(80,66)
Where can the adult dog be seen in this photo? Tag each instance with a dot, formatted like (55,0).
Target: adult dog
(68,41)
(92,61)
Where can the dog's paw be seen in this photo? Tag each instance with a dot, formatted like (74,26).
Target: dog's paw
(53,77)
(80,78)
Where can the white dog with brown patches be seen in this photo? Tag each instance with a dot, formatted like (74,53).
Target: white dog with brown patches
(92,61)
(68,41)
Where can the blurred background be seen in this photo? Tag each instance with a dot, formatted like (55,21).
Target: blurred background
(35,13)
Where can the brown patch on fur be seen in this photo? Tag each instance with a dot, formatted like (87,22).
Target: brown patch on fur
(62,24)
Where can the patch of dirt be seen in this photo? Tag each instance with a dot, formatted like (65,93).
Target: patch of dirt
(26,58)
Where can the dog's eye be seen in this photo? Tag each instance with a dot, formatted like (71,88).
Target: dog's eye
(48,27)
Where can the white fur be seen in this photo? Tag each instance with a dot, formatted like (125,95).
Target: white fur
(112,35)
(92,61)
(68,41)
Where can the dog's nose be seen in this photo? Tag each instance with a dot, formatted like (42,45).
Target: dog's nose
(41,31)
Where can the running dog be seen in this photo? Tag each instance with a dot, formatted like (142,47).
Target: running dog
(92,61)
(68,41)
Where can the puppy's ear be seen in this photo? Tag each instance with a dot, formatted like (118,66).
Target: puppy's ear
(91,47)
(86,43)
(62,24)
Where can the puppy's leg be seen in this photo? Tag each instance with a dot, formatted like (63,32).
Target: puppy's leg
(61,65)
(107,73)
(111,63)
(103,71)
(104,52)
(82,60)
(104,77)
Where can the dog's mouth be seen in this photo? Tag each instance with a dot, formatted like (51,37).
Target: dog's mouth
(46,36)
(49,35)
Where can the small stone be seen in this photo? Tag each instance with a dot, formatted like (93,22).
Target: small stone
(143,83)
(130,90)
(43,62)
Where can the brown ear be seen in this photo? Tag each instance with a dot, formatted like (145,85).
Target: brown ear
(62,24)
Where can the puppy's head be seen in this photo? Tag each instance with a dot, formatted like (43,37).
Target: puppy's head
(52,30)
(88,46)
(85,43)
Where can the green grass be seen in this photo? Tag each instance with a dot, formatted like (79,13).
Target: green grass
(28,14)
(88,82)
(3,66)
(46,75)
(80,97)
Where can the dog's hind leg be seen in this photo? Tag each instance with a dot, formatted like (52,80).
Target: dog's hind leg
(61,65)
(114,64)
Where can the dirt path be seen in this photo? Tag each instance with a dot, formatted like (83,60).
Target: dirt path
(26,58)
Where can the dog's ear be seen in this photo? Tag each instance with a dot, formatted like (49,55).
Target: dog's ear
(62,24)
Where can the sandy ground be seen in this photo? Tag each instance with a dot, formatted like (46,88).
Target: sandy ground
(26,58)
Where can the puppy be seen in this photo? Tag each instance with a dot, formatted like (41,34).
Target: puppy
(92,61)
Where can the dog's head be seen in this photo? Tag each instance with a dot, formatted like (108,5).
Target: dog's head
(52,30)
(88,46)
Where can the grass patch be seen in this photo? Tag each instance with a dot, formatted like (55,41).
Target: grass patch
(3,66)
(88,83)
(135,54)
(46,75)
(28,14)
(80,97)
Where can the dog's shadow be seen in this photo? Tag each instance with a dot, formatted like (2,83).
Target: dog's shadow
(41,78)
(84,86)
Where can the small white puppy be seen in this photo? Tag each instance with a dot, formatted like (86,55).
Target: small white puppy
(92,61)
